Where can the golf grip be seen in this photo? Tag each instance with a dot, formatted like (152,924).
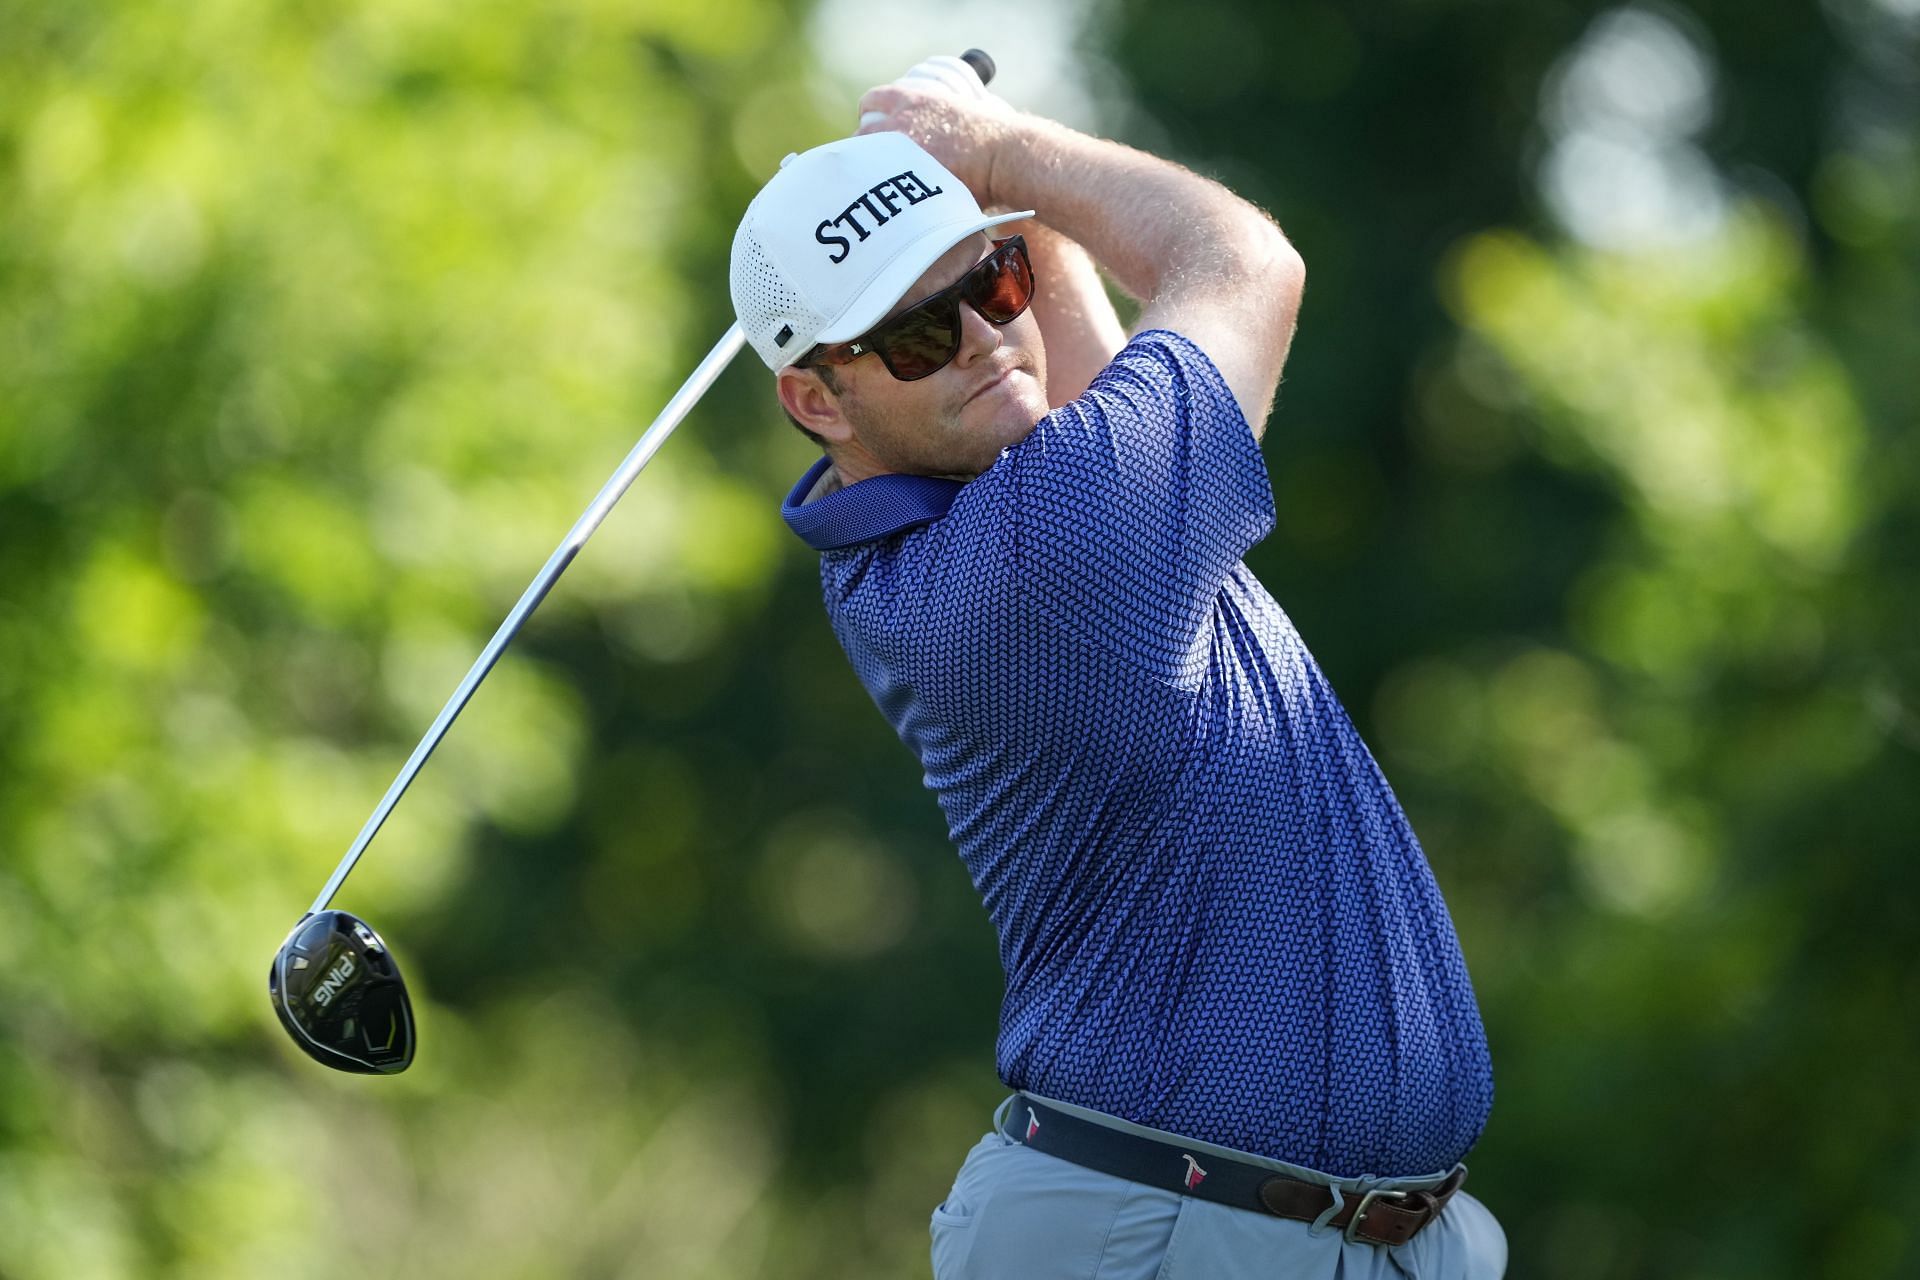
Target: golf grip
(649,443)
(978,59)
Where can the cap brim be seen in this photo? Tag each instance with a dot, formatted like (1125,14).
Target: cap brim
(908,265)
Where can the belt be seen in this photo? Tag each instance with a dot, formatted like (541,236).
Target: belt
(1376,1216)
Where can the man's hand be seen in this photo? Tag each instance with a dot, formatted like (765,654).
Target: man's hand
(942,105)
(946,74)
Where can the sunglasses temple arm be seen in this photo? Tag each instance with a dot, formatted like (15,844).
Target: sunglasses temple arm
(649,443)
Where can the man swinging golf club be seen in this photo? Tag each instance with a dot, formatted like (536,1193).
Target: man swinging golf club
(1241,1033)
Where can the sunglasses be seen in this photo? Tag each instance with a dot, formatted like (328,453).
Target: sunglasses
(923,339)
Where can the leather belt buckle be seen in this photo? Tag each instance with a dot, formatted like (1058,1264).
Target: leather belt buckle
(1366,1201)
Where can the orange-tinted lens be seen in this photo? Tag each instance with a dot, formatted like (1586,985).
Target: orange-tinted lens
(1001,287)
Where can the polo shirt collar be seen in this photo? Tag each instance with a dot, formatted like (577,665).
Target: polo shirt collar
(876,507)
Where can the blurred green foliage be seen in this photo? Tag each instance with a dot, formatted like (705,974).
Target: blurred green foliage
(319,323)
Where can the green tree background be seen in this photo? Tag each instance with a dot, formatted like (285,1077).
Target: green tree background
(319,322)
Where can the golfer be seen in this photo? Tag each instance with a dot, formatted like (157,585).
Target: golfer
(1237,1023)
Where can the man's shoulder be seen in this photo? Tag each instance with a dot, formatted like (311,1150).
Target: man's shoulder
(1160,354)
(1160,390)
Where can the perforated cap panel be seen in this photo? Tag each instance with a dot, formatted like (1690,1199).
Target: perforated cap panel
(766,302)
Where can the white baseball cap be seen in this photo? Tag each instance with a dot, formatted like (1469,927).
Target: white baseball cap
(839,235)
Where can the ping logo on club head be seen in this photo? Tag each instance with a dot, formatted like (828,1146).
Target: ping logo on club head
(1195,1174)
(335,979)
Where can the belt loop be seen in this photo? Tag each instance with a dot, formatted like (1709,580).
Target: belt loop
(1331,1212)
(1000,1115)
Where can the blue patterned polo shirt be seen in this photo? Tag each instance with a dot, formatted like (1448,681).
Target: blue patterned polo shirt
(1213,916)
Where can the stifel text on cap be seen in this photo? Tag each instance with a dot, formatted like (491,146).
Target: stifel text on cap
(883,195)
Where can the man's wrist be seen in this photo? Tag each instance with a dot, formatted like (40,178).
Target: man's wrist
(1025,162)
(1005,134)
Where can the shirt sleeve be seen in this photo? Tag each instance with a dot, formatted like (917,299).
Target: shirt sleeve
(1130,506)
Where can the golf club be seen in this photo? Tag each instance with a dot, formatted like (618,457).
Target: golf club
(333,983)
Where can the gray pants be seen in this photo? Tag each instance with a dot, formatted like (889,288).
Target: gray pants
(1022,1215)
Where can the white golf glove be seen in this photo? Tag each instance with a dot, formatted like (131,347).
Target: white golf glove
(945,74)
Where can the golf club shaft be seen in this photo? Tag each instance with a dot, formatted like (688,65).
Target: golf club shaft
(649,443)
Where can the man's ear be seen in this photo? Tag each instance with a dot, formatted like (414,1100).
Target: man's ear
(812,404)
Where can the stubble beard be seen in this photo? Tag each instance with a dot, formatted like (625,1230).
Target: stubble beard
(952,450)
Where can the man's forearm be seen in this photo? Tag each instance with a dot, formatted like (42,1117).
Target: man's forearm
(1077,321)
(1204,262)
(1152,223)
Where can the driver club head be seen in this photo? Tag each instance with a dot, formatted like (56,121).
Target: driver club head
(340,996)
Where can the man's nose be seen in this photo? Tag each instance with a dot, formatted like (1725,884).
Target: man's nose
(979,336)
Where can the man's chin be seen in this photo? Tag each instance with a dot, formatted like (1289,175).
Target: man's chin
(1009,410)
